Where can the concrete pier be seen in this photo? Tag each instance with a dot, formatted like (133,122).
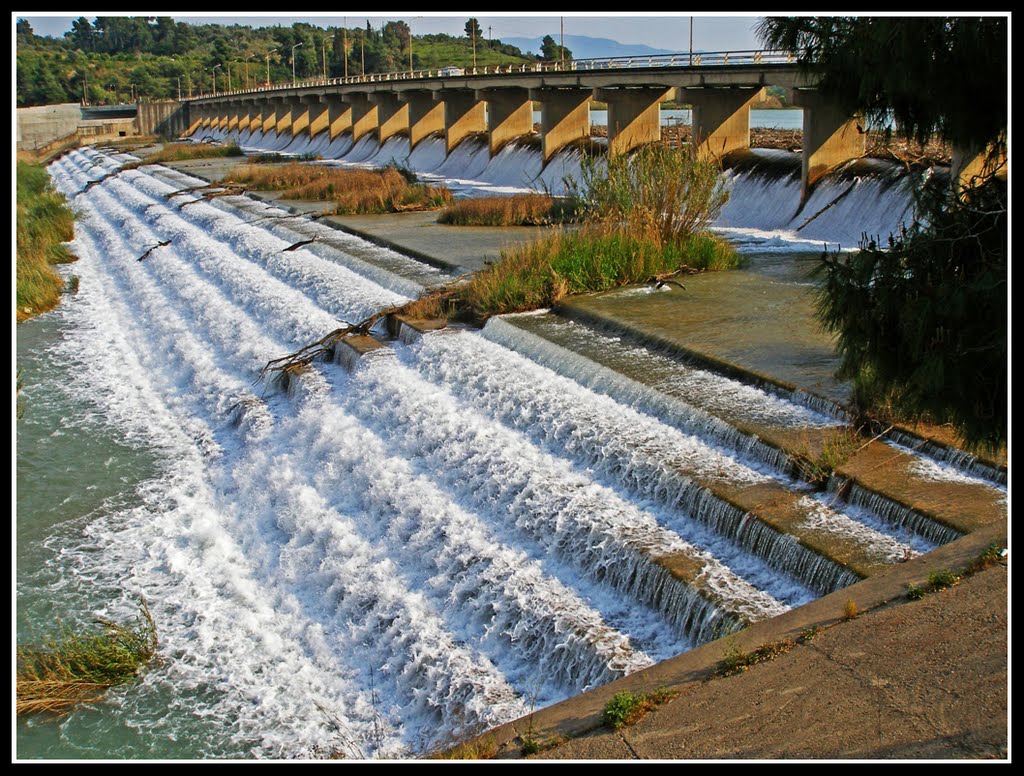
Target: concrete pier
(464,115)
(831,136)
(392,115)
(510,115)
(721,117)
(364,114)
(634,116)
(564,117)
(426,115)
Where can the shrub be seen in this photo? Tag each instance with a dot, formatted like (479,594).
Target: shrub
(517,210)
(940,579)
(664,193)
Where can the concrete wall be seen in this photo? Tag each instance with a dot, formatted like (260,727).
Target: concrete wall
(41,125)
(168,119)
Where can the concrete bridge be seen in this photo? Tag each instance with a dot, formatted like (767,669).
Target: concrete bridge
(499,102)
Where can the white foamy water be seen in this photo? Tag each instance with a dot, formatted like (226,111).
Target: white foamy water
(366,564)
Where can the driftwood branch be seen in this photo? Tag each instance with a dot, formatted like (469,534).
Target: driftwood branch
(830,204)
(299,244)
(153,248)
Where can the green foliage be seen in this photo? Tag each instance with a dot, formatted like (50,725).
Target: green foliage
(552,52)
(891,66)
(539,274)
(735,661)
(664,193)
(77,668)
(921,326)
(940,579)
(108,60)
(43,223)
(628,708)
(915,592)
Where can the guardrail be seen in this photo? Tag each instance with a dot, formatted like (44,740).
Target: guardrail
(680,60)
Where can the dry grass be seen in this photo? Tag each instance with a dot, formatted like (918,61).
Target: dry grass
(178,152)
(516,210)
(60,674)
(352,190)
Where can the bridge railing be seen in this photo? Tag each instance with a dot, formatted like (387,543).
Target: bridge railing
(680,60)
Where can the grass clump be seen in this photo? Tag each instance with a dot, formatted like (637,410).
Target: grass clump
(628,708)
(478,749)
(836,447)
(179,152)
(940,579)
(915,592)
(850,609)
(517,210)
(541,273)
(44,222)
(353,191)
(59,674)
(736,661)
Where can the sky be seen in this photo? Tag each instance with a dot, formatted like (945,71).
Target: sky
(661,30)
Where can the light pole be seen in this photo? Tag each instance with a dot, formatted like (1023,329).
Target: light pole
(179,88)
(268,64)
(247,69)
(215,79)
(293,60)
(323,48)
(691,40)
(232,62)
(344,43)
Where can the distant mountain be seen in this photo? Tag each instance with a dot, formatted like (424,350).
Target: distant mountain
(585,47)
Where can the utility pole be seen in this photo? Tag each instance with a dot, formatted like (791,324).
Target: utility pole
(691,40)
(473,31)
(344,42)
(561,41)
(362,57)
(324,51)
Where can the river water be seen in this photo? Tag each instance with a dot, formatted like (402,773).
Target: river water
(363,564)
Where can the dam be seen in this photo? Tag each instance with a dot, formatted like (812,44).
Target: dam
(392,552)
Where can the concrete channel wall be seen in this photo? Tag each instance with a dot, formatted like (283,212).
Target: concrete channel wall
(47,126)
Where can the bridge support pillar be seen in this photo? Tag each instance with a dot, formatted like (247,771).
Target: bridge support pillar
(339,115)
(970,166)
(234,115)
(316,112)
(195,119)
(464,115)
(564,118)
(244,115)
(510,115)
(721,118)
(269,114)
(364,114)
(634,116)
(426,115)
(283,108)
(300,116)
(831,137)
(392,115)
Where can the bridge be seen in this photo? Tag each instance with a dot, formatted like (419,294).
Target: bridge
(499,102)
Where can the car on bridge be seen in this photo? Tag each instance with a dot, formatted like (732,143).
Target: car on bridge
(451,70)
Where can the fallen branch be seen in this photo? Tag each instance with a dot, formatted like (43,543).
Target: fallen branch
(830,204)
(299,244)
(158,245)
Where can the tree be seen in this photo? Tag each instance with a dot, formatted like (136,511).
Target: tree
(473,29)
(552,52)
(921,324)
(935,76)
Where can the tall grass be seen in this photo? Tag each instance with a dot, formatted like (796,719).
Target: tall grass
(387,190)
(61,673)
(43,223)
(661,192)
(516,210)
(179,152)
(541,273)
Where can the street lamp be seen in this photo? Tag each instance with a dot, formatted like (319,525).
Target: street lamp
(179,88)
(268,64)
(232,62)
(324,51)
(247,69)
(293,60)
(215,79)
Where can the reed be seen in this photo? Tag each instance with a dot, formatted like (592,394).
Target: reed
(61,673)
(353,191)
(517,210)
